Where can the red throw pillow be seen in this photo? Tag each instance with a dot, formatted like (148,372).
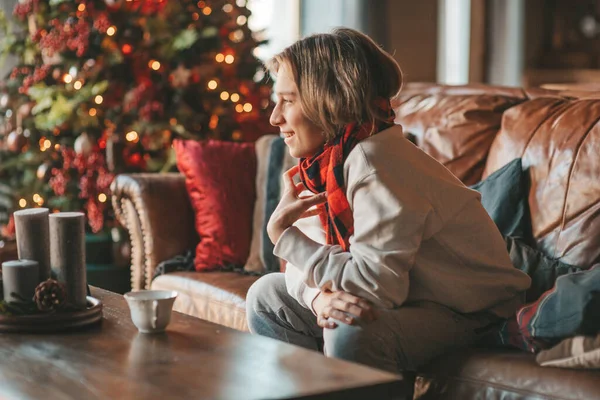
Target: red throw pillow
(219,177)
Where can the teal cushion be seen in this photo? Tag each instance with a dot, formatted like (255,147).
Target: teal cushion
(504,195)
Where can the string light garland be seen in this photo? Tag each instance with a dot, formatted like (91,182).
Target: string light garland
(155,65)
(39,200)
(132,136)
(214,121)
(236,36)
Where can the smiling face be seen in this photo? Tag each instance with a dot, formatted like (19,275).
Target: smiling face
(303,137)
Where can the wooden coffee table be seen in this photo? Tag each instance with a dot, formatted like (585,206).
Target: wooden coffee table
(193,359)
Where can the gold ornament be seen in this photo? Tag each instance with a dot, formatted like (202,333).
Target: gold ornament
(56,73)
(4,100)
(42,171)
(32,25)
(25,110)
(83,144)
(180,77)
(50,58)
(16,141)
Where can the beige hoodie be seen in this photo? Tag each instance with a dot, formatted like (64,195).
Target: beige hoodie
(419,234)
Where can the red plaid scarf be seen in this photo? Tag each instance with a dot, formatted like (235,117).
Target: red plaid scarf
(325,172)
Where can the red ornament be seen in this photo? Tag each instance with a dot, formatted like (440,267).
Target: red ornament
(146,7)
(135,159)
(68,35)
(58,183)
(134,98)
(102,23)
(93,178)
(24,8)
(95,214)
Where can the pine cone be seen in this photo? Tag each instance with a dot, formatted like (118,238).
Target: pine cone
(50,295)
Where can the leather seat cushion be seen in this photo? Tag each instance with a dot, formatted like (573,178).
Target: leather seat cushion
(219,297)
(502,374)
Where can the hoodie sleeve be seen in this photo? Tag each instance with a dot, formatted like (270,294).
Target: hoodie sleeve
(388,229)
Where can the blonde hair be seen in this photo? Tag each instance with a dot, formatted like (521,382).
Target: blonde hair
(339,77)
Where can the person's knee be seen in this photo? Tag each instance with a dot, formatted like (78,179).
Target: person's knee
(263,295)
(365,343)
(345,341)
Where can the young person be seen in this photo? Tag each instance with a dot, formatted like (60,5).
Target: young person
(410,265)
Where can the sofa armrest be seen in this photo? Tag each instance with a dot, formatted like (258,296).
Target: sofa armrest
(156,211)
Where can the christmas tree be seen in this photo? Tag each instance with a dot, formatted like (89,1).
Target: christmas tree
(104,86)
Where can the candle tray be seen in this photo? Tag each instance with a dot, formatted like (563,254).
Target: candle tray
(53,322)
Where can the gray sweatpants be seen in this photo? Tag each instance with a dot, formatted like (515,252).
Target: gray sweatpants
(401,339)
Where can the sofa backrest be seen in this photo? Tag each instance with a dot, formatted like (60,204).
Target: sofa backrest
(475,130)
(455,125)
(558,140)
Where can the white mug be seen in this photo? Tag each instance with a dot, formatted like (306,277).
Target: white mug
(151,309)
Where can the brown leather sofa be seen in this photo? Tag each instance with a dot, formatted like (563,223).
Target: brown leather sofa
(473,130)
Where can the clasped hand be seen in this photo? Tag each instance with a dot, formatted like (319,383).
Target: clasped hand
(292,207)
(343,307)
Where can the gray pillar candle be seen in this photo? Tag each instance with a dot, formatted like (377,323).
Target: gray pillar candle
(33,238)
(67,254)
(19,277)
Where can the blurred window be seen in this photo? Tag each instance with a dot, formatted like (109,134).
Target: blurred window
(454,41)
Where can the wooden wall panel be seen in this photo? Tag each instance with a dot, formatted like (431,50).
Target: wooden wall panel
(412,27)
